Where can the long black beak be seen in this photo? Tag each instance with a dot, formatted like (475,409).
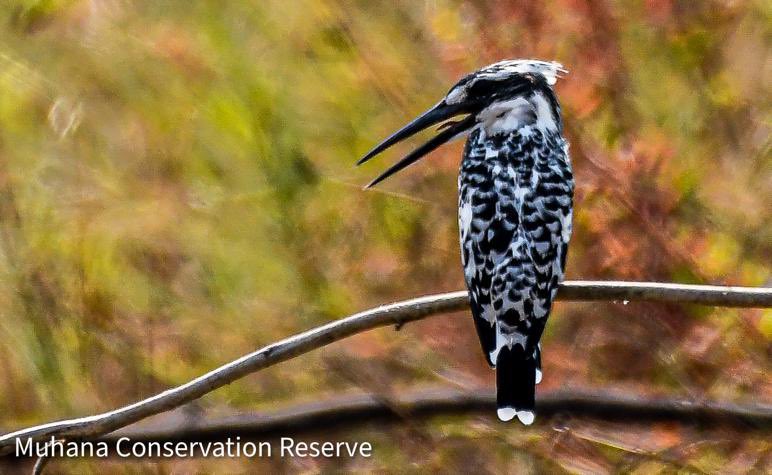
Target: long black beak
(435,115)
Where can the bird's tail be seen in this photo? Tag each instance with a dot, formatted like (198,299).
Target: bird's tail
(516,384)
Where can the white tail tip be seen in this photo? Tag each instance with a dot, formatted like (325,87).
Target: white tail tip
(526,417)
(506,413)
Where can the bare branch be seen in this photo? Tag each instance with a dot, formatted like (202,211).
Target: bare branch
(352,410)
(717,296)
(394,314)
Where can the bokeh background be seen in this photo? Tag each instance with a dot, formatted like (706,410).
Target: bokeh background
(177,189)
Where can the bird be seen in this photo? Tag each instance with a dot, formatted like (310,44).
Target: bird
(515,209)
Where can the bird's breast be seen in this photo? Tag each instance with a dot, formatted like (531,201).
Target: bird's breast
(509,179)
(510,165)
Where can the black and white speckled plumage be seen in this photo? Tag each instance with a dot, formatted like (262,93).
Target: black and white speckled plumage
(515,210)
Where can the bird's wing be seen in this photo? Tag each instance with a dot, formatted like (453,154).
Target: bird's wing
(482,311)
(477,277)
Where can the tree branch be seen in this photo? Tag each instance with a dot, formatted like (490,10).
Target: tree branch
(355,410)
(352,410)
(717,296)
(394,314)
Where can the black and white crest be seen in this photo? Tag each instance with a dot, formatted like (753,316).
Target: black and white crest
(515,211)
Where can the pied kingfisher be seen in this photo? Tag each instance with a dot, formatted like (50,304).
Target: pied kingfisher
(515,206)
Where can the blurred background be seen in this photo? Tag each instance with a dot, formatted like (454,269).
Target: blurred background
(177,189)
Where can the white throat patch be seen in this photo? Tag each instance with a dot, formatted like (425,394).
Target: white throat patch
(514,114)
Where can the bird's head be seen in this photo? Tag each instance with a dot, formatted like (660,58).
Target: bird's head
(497,99)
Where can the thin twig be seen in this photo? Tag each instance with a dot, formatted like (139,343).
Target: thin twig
(394,314)
(40,465)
